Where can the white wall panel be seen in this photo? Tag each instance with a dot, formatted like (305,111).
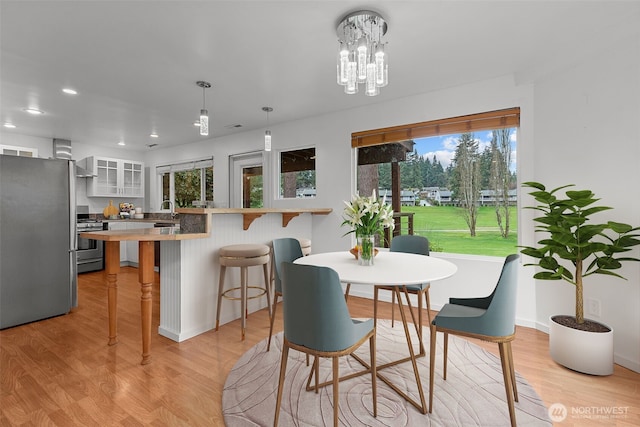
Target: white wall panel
(189,290)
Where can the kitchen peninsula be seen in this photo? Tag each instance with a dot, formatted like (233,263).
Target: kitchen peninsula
(146,238)
(188,264)
(189,269)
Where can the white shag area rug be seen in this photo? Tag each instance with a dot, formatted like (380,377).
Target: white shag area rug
(472,395)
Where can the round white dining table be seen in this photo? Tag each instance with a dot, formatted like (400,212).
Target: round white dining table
(396,269)
(388,269)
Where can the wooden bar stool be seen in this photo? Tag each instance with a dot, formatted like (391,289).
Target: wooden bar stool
(243,256)
(305,245)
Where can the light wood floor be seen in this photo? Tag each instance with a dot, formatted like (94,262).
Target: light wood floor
(61,372)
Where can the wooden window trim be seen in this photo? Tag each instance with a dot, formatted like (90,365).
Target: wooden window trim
(490,120)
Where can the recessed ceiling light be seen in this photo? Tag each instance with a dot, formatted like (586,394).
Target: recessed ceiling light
(154,135)
(10,125)
(196,123)
(33,111)
(121,143)
(69,91)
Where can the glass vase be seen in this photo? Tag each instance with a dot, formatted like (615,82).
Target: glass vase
(366,250)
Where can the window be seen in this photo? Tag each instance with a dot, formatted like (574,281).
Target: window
(11,150)
(454,182)
(252,196)
(246,176)
(298,173)
(187,184)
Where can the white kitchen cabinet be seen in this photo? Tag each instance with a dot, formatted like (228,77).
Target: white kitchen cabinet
(123,244)
(114,177)
(129,248)
(132,245)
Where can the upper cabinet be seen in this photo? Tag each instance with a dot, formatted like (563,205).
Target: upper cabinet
(114,177)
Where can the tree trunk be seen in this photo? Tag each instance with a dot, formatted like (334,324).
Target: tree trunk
(367,179)
(579,296)
(290,185)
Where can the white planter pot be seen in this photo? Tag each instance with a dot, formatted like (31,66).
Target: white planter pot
(582,351)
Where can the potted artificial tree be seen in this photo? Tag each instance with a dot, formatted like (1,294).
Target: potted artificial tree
(573,249)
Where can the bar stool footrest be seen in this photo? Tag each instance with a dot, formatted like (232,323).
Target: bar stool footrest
(261,292)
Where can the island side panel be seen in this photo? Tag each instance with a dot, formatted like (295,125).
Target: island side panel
(170,298)
(191,275)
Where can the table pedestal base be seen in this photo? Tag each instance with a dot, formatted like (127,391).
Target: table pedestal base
(422,405)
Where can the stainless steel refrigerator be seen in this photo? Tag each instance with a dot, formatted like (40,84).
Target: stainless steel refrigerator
(38,276)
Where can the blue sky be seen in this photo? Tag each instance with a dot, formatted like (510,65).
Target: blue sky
(444,147)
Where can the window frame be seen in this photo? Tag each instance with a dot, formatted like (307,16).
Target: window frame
(498,119)
(19,151)
(201,164)
(279,189)
(486,121)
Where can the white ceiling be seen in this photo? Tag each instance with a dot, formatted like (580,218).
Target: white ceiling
(135,63)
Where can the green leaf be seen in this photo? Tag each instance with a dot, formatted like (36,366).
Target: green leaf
(580,195)
(619,227)
(533,184)
(532,252)
(546,275)
(549,263)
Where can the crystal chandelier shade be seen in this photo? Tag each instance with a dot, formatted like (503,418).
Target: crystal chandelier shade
(204,114)
(267,133)
(361,53)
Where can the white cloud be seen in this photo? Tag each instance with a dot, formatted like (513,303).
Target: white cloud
(450,143)
(443,156)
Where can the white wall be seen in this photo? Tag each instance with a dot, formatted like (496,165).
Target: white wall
(577,125)
(587,133)
(331,136)
(78,152)
(44,145)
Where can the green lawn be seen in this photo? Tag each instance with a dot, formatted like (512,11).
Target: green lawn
(447,231)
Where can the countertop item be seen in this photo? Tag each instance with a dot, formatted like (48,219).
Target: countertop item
(110,210)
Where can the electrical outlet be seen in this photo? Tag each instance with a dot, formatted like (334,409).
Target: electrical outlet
(593,307)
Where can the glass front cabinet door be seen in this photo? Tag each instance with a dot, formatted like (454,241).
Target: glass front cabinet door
(114,177)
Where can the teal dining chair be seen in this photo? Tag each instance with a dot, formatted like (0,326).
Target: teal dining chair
(490,318)
(284,250)
(414,245)
(317,322)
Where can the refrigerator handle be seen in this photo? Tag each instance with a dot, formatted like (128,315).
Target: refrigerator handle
(73,238)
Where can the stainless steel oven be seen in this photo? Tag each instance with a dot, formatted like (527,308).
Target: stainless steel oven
(90,253)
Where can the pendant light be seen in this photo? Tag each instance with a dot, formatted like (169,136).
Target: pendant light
(267,133)
(204,114)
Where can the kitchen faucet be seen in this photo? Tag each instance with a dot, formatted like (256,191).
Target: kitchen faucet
(173,213)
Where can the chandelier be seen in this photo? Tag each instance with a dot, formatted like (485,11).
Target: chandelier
(361,55)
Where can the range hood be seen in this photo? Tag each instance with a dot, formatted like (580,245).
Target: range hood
(62,150)
(82,172)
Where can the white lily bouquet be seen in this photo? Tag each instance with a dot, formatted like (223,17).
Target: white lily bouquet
(367,216)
